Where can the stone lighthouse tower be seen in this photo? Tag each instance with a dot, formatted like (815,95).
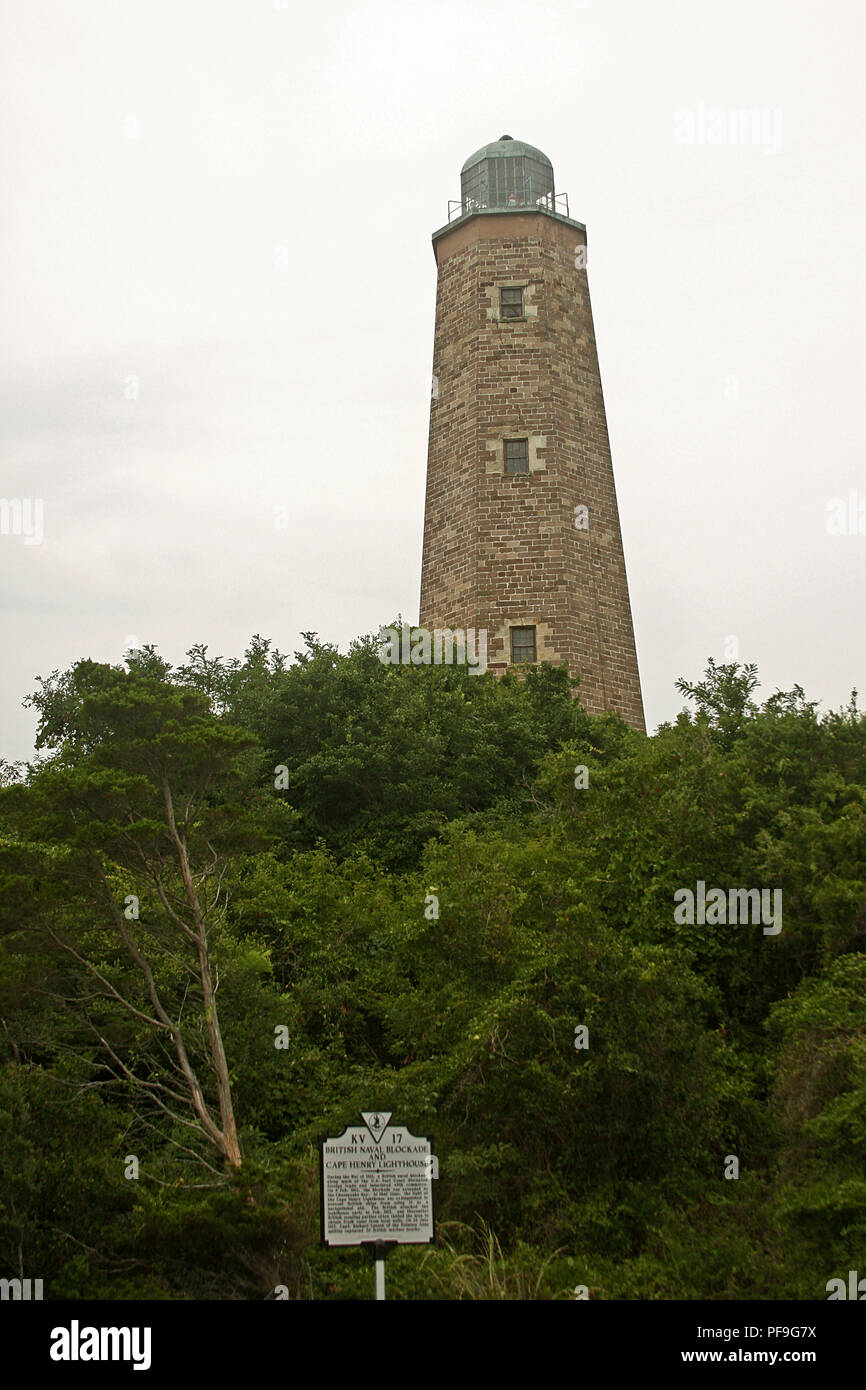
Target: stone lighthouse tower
(521,528)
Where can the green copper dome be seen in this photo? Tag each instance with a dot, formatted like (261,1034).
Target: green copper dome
(506,148)
(506,174)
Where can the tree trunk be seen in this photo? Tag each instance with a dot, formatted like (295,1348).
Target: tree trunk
(230,1144)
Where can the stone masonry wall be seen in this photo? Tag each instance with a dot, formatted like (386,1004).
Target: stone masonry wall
(503,551)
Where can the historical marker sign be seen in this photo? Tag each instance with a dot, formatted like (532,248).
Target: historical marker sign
(377,1184)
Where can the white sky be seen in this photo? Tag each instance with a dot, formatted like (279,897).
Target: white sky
(232,201)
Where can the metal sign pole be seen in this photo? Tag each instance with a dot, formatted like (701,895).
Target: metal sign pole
(381,1251)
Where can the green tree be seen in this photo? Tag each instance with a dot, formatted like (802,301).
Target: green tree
(134,821)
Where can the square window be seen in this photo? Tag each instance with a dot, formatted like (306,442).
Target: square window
(517,455)
(522,645)
(511,304)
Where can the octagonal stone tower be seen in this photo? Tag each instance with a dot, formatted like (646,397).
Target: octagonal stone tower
(521,527)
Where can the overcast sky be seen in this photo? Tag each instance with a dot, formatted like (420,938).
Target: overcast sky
(218,297)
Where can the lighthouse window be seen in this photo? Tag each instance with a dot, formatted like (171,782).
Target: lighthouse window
(517,455)
(522,645)
(511,303)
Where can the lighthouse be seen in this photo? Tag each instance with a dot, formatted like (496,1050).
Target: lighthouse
(521,527)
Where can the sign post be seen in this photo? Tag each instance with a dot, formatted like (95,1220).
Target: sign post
(381,1251)
(377,1188)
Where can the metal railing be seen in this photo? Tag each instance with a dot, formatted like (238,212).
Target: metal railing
(551,202)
